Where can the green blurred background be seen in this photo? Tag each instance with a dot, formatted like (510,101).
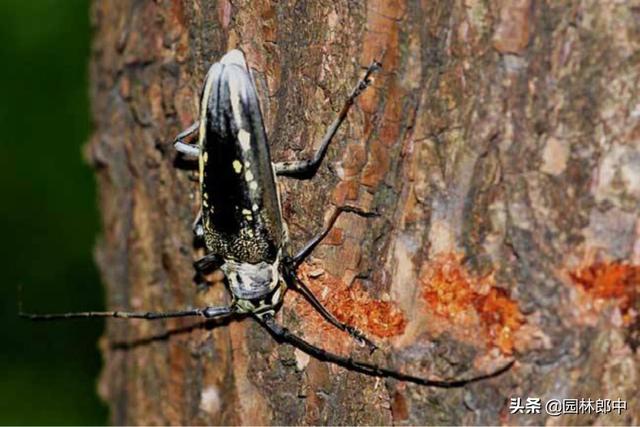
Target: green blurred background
(48,215)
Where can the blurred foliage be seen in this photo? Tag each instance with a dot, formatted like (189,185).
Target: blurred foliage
(48,216)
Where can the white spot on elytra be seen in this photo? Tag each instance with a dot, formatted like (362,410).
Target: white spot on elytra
(253,185)
(248,176)
(254,207)
(245,139)
(237,166)
(210,401)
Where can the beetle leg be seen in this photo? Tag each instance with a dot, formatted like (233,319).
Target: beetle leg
(301,287)
(205,265)
(207,312)
(198,228)
(189,132)
(208,263)
(356,334)
(183,147)
(314,241)
(305,169)
(283,334)
(187,150)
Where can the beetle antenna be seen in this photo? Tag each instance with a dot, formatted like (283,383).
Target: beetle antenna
(208,313)
(102,314)
(282,333)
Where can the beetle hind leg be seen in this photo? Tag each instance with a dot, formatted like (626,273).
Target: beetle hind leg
(189,150)
(305,169)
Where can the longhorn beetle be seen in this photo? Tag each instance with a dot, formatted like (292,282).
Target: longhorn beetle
(241,221)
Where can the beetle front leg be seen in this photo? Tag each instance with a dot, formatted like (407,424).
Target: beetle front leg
(185,148)
(308,247)
(354,332)
(305,169)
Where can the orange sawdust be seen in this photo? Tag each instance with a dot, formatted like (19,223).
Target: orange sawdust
(502,317)
(610,281)
(448,291)
(452,292)
(353,306)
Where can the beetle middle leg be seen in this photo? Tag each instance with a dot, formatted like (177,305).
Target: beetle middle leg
(308,247)
(292,264)
(305,169)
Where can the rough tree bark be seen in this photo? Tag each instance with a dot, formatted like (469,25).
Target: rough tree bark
(499,143)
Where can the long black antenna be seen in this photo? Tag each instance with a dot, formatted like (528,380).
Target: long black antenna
(284,334)
(149,315)
(207,313)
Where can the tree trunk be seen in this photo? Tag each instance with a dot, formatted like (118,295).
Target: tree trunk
(499,144)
